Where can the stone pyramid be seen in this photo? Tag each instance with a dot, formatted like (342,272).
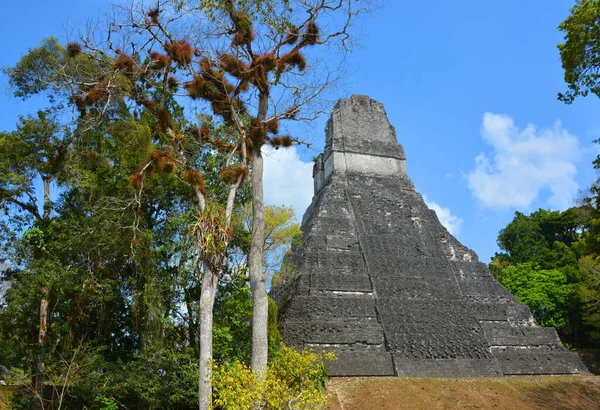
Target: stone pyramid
(382,283)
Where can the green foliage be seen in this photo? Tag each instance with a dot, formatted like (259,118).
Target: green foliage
(36,150)
(160,378)
(547,292)
(275,15)
(232,328)
(21,402)
(106,403)
(164,378)
(532,238)
(294,380)
(49,69)
(282,235)
(580,53)
(589,292)
(540,266)
(28,76)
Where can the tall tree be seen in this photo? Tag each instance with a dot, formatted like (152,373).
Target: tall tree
(252,71)
(32,162)
(540,265)
(149,84)
(580,53)
(590,295)
(258,68)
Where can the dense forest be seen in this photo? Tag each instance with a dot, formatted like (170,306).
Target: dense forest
(548,261)
(138,248)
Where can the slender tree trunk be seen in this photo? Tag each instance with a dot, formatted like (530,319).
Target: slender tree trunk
(207,301)
(40,371)
(260,302)
(47,202)
(260,306)
(43,316)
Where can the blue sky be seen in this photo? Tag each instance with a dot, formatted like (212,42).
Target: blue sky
(470,87)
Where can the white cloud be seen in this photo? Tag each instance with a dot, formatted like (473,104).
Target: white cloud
(451,222)
(523,163)
(288,180)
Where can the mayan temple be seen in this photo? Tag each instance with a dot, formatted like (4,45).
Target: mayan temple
(381,282)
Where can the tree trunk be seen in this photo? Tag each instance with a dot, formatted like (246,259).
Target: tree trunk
(192,329)
(207,301)
(47,202)
(260,302)
(260,306)
(40,371)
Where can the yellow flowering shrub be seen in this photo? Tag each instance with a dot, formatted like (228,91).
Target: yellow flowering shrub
(294,380)
(235,387)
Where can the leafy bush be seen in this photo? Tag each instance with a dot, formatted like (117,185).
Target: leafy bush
(106,403)
(546,291)
(158,379)
(294,380)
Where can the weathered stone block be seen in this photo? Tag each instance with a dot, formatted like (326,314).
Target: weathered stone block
(325,308)
(505,334)
(447,367)
(341,282)
(361,364)
(418,288)
(435,342)
(481,286)
(356,330)
(528,361)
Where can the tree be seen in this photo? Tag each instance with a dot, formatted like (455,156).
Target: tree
(253,75)
(282,231)
(35,153)
(119,77)
(548,293)
(540,265)
(580,53)
(263,56)
(531,238)
(247,61)
(590,295)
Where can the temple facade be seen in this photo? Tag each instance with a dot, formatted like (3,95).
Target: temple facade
(382,283)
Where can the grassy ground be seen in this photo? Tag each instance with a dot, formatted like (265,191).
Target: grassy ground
(536,392)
